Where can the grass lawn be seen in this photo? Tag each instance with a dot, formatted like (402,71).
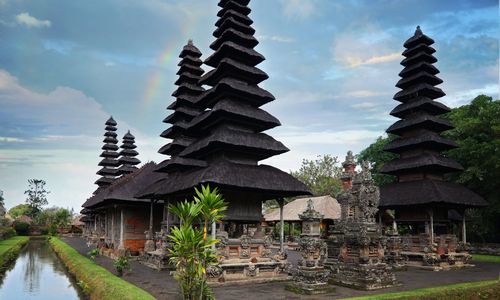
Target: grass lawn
(486,258)
(96,281)
(9,249)
(489,289)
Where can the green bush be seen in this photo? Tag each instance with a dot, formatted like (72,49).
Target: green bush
(22,228)
(6,233)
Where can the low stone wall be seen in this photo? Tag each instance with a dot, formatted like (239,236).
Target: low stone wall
(488,249)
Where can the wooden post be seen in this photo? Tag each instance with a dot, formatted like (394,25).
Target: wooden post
(122,242)
(151,220)
(214,228)
(168,215)
(292,227)
(281,203)
(464,231)
(95,224)
(113,226)
(431,225)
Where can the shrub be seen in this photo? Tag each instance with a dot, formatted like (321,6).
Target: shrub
(93,253)
(6,232)
(121,263)
(22,228)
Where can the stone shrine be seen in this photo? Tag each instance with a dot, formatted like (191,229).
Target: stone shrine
(360,261)
(311,276)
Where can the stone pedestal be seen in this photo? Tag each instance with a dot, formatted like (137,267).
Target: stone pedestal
(311,277)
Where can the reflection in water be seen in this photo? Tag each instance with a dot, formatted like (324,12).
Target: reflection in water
(38,274)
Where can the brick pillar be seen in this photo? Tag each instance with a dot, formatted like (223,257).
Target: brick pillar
(349,166)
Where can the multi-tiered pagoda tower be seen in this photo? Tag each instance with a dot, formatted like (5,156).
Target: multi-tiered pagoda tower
(423,199)
(128,155)
(185,109)
(109,163)
(229,138)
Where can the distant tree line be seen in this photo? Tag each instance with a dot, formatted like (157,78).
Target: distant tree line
(477,132)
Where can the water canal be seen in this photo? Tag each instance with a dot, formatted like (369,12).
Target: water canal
(38,274)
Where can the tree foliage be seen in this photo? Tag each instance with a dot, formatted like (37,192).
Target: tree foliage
(477,132)
(37,196)
(377,157)
(19,210)
(55,217)
(321,175)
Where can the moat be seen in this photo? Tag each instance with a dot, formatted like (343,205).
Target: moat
(38,274)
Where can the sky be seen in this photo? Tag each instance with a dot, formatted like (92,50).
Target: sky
(66,66)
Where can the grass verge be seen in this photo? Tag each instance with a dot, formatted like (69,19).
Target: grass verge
(9,249)
(471,290)
(486,258)
(96,281)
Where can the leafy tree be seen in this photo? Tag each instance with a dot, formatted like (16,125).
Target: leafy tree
(55,216)
(377,157)
(19,210)
(191,251)
(37,196)
(321,175)
(2,205)
(477,132)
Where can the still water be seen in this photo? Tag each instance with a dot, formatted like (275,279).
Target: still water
(38,274)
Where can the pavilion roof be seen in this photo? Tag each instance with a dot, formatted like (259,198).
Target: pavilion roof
(326,205)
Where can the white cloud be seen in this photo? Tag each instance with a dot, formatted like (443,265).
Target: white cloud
(6,139)
(357,61)
(276,38)
(365,93)
(365,105)
(30,21)
(465,96)
(301,9)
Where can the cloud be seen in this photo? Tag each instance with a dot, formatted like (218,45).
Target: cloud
(30,21)
(276,38)
(365,105)
(6,139)
(301,9)
(375,59)
(365,93)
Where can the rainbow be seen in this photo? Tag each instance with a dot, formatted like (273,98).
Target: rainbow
(157,79)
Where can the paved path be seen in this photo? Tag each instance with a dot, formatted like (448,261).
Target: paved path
(163,286)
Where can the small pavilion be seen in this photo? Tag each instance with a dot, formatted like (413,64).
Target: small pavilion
(327,205)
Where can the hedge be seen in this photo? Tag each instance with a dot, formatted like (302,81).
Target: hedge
(96,281)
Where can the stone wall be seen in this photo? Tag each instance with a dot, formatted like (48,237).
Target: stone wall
(488,249)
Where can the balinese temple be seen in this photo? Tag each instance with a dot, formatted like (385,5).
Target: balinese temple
(228,143)
(109,163)
(128,155)
(423,200)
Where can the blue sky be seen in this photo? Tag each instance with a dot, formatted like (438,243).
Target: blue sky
(65,66)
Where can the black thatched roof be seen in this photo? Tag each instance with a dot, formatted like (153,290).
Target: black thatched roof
(109,163)
(428,192)
(125,188)
(228,140)
(419,142)
(266,181)
(128,155)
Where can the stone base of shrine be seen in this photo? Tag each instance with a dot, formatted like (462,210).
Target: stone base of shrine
(435,262)
(363,277)
(310,289)
(242,271)
(157,260)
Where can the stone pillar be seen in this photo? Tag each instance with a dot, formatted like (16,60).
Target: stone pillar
(311,276)
(281,203)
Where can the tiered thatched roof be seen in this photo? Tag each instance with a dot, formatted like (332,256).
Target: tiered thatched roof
(109,163)
(420,167)
(128,155)
(229,132)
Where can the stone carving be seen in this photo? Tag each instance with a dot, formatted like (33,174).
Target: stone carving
(357,256)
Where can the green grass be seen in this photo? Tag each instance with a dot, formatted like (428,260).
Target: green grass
(96,281)
(486,258)
(471,290)
(9,249)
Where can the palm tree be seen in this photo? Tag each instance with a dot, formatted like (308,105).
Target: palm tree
(212,206)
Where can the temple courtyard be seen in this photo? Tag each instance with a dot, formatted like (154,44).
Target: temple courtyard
(162,285)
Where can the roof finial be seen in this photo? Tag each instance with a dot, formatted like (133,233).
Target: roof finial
(418,31)
(190,42)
